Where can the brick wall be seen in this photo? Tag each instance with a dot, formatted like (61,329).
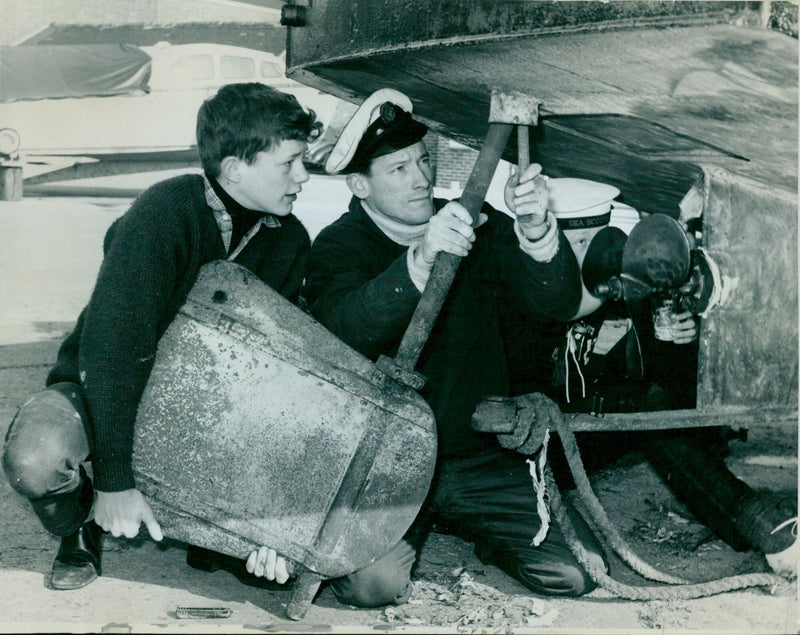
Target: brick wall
(454,163)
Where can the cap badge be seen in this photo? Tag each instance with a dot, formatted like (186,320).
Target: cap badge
(388,112)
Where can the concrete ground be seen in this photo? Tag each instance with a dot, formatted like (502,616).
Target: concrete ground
(49,254)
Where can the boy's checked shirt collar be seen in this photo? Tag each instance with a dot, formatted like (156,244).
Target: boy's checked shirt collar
(225,222)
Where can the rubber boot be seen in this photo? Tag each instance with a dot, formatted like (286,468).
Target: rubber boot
(695,472)
(768,521)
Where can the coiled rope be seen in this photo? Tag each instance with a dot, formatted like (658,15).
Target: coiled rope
(682,589)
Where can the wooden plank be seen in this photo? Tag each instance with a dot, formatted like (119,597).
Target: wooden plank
(677,419)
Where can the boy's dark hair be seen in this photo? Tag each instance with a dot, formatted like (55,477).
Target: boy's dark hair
(242,120)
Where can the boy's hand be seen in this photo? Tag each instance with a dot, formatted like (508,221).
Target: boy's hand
(266,563)
(122,513)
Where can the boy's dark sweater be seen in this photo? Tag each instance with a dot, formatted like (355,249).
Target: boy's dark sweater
(152,255)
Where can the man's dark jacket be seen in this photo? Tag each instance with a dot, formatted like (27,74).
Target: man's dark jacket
(359,288)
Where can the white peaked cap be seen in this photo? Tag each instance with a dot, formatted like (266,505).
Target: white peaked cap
(580,203)
(347,143)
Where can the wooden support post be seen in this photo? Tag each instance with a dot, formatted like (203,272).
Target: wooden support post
(305,588)
(10,181)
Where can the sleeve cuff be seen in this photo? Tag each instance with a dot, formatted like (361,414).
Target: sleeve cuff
(419,275)
(542,249)
(112,476)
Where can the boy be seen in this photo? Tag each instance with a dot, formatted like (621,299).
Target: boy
(251,139)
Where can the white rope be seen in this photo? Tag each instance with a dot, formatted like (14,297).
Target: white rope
(569,352)
(536,469)
(786,523)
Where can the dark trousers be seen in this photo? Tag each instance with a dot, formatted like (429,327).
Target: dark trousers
(690,461)
(691,464)
(489,499)
(45,448)
(486,499)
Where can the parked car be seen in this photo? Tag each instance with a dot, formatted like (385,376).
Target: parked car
(153,121)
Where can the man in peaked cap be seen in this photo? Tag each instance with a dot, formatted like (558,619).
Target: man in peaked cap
(367,273)
(689,461)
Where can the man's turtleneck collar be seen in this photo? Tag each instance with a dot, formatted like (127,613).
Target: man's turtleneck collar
(401,233)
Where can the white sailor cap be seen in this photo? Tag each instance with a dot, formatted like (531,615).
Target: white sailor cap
(381,125)
(580,203)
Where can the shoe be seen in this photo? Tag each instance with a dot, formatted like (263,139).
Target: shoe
(209,561)
(78,560)
(785,562)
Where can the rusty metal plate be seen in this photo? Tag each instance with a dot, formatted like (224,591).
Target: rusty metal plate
(259,427)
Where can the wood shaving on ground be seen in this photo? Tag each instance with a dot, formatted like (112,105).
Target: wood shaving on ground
(467,605)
